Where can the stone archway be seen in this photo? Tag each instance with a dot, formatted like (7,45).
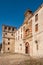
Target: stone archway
(27,48)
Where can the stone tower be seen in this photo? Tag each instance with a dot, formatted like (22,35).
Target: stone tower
(8,38)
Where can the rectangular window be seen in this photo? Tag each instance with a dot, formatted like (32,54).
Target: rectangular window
(21,36)
(37,46)
(8,48)
(12,29)
(12,34)
(36,17)
(3,42)
(8,38)
(18,37)
(5,33)
(8,43)
(21,29)
(9,28)
(5,27)
(24,28)
(36,27)
(20,44)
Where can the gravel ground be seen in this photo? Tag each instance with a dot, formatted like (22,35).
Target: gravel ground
(12,59)
(19,59)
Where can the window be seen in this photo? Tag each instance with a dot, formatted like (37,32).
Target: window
(8,43)
(12,29)
(20,44)
(3,35)
(8,38)
(21,48)
(8,48)
(21,29)
(9,28)
(24,28)
(36,44)
(18,37)
(21,35)
(36,17)
(27,30)
(6,33)
(36,27)
(3,42)
(30,23)
(5,27)
(12,34)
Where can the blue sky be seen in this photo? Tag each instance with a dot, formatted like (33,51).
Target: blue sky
(12,11)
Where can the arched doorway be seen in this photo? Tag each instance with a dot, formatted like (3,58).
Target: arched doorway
(27,48)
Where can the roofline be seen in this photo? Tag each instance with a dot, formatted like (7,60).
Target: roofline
(9,26)
(32,15)
(38,9)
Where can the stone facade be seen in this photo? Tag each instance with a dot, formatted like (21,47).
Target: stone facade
(28,39)
(8,38)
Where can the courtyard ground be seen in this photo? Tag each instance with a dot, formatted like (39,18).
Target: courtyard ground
(19,59)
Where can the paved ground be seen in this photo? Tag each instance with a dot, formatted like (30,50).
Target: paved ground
(12,59)
(19,59)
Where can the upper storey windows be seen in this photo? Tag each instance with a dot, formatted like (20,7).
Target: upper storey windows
(8,28)
(12,29)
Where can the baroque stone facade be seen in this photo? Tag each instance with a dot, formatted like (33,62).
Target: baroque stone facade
(28,39)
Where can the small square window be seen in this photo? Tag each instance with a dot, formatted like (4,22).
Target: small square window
(8,48)
(8,38)
(6,33)
(20,44)
(3,42)
(21,35)
(12,34)
(8,43)
(16,38)
(21,29)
